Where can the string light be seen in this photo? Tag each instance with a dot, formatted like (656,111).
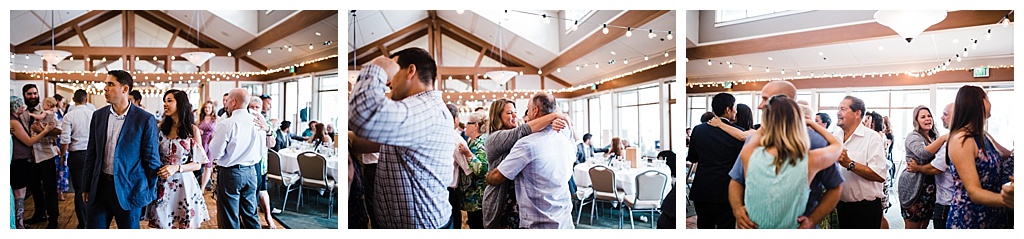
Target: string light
(629,33)
(651,34)
(575,26)
(669,36)
(546,19)
(813,75)
(605,29)
(248,53)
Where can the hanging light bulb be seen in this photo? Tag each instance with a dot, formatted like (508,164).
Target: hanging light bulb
(546,19)
(559,69)
(172,57)
(26,57)
(749,67)
(783,71)
(709,62)
(311,46)
(766,69)
(988,34)
(797,72)
(625,61)
(229,54)
(605,29)
(577,67)
(957,57)
(669,36)
(1006,21)
(249,52)
(730,65)
(974,46)
(269,51)
(629,33)
(597,66)
(666,54)
(965,52)
(650,34)
(575,26)
(460,11)
(645,58)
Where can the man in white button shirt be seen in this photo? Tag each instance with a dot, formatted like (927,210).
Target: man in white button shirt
(541,167)
(75,140)
(237,145)
(860,204)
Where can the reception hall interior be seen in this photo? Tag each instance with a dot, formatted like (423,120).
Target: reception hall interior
(279,66)
(883,83)
(611,76)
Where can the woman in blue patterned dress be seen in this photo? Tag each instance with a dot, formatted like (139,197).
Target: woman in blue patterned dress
(979,165)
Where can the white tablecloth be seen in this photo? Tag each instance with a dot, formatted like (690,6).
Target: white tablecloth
(290,162)
(625,179)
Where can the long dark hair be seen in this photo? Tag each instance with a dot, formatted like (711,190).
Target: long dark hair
(319,134)
(184,114)
(969,110)
(744,116)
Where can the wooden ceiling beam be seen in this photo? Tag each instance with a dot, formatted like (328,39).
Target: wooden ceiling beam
(394,45)
(557,80)
(171,24)
(174,36)
(945,77)
(44,38)
(296,23)
(837,35)
(632,18)
(81,36)
(417,29)
(85,26)
(117,51)
(254,63)
(652,74)
(306,69)
(448,70)
(475,43)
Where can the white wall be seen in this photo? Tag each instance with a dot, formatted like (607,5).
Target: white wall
(217,90)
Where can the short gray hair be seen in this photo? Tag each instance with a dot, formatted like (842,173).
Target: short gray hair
(545,102)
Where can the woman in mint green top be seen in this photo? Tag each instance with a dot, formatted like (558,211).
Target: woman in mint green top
(779,166)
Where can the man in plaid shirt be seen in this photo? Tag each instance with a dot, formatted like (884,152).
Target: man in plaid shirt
(413,130)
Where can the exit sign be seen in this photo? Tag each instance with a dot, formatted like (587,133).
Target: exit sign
(291,69)
(980,72)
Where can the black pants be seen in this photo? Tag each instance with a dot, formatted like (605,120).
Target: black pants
(940,215)
(76,169)
(714,215)
(860,215)
(475,219)
(369,177)
(455,198)
(42,182)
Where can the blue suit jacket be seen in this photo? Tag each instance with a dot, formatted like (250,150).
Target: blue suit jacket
(136,158)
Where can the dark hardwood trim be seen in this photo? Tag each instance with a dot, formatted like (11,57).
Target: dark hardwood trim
(835,35)
(995,75)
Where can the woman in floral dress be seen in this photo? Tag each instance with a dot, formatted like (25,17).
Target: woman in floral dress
(179,203)
(474,186)
(980,165)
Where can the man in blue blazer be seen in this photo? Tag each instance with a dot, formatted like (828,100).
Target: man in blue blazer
(122,158)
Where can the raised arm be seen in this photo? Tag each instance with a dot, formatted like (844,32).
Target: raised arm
(557,121)
(375,117)
(19,132)
(732,131)
(823,158)
(962,151)
(916,147)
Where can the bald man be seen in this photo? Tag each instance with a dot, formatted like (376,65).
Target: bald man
(943,176)
(819,204)
(237,145)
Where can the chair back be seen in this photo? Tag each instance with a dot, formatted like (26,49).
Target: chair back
(670,160)
(650,185)
(602,179)
(313,166)
(273,163)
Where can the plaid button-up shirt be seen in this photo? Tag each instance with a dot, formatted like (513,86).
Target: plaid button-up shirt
(417,142)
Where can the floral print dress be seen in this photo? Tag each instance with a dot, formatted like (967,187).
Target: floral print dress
(993,172)
(475,187)
(179,201)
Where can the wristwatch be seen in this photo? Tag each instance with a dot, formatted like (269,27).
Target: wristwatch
(850,167)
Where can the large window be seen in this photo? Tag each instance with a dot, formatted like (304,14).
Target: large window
(274,91)
(330,97)
(572,16)
(636,106)
(738,16)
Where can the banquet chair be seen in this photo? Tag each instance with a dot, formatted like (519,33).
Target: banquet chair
(277,175)
(583,193)
(602,180)
(650,189)
(316,176)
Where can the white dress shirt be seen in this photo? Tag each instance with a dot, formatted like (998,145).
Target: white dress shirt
(114,125)
(75,128)
(944,180)
(866,148)
(238,140)
(541,166)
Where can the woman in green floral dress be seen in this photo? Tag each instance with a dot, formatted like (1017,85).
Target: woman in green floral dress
(474,186)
